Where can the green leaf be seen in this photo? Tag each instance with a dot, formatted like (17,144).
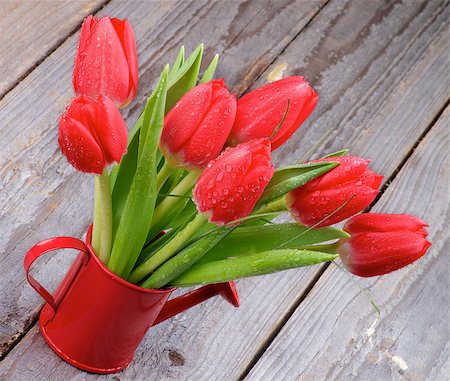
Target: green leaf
(337,153)
(124,174)
(165,222)
(154,246)
(208,75)
(118,171)
(249,240)
(138,210)
(288,178)
(179,61)
(180,77)
(185,215)
(148,114)
(266,262)
(184,259)
(186,77)
(123,179)
(170,183)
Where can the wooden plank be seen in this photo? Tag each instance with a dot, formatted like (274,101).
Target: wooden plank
(336,335)
(396,49)
(30,30)
(45,196)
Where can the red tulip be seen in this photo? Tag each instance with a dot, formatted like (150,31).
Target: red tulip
(197,127)
(92,134)
(106,60)
(260,111)
(230,186)
(381,243)
(320,197)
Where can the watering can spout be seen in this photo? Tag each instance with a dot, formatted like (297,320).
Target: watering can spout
(182,303)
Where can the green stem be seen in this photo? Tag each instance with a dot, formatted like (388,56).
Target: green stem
(183,260)
(97,228)
(106,217)
(168,250)
(169,202)
(163,175)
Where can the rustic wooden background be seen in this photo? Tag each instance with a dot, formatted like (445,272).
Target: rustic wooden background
(381,69)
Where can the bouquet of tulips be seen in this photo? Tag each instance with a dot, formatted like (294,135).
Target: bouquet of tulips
(189,195)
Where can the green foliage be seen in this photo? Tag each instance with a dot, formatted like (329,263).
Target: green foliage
(248,240)
(208,75)
(288,178)
(337,153)
(185,78)
(184,259)
(262,263)
(138,209)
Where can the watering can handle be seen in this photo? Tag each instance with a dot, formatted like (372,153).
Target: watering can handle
(46,246)
(175,306)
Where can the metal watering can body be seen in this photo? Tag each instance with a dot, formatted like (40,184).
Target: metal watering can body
(96,320)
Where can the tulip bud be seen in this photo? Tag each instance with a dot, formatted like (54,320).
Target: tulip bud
(352,182)
(106,60)
(92,134)
(196,128)
(230,186)
(260,111)
(382,243)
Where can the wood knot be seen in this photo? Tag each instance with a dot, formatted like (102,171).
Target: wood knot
(176,358)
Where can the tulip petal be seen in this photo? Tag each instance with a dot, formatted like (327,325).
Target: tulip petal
(308,208)
(111,130)
(196,128)
(261,110)
(342,192)
(231,185)
(79,146)
(82,109)
(218,181)
(126,36)
(193,107)
(379,222)
(85,36)
(351,168)
(213,131)
(376,253)
(308,100)
(101,67)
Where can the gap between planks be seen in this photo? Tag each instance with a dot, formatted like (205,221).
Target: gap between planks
(277,329)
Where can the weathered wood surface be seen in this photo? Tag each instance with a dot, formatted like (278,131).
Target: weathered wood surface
(45,196)
(30,30)
(336,335)
(372,63)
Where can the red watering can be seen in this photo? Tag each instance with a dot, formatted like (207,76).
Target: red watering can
(95,320)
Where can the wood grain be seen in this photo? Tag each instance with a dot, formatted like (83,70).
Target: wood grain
(29,30)
(336,335)
(372,63)
(42,195)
